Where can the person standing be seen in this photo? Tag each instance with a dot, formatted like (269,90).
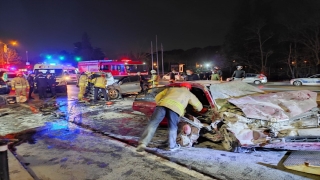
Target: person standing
(20,85)
(171,103)
(52,84)
(99,83)
(191,76)
(141,80)
(31,81)
(216,68)
(215,75)
(154,78)
(82,83)
(172,78)
(42,84)
(238,74)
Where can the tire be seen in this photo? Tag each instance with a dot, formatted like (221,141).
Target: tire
(113,93)
(257,82)
(297,83)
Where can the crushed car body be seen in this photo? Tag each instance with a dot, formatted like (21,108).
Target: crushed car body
(237,114)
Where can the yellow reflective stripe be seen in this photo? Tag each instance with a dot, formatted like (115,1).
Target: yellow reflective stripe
(198,104)
(174,103)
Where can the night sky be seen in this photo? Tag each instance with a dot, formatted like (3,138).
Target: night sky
(117,26)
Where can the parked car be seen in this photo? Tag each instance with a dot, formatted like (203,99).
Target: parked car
(255,78)
(125,85)
(242,115)
(177,76)
(4,88)
(309,81)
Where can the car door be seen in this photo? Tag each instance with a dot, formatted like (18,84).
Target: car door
(135,84)
(124,84)
(249,78)
(314,80)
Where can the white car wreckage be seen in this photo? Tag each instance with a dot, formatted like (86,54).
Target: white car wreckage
(245,116)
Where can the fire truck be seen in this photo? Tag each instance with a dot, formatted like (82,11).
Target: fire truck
(115,67)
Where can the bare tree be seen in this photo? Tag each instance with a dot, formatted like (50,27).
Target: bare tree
(261,37)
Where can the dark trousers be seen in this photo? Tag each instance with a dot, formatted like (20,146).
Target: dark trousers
(42,92)
(30,91)
(141,86)
(103,90)
(53,90)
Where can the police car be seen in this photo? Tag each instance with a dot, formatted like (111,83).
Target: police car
(312,80)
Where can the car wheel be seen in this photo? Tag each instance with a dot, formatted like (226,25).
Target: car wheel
(257,82)
(113,93)
(297,83)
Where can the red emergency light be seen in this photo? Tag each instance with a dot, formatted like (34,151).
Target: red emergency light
(126,60)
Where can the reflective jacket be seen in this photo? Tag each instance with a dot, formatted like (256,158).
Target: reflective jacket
(154,80)
(19,82)
(177,99)
(215,77)
(99,82)
(83,80)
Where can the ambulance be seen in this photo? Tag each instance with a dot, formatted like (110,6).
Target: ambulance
(57,71)
(71,73)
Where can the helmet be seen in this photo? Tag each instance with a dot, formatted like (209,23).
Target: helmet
(187,85)
(153,71)
(239,67)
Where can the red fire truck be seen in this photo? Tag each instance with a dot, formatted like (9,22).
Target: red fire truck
(116,67)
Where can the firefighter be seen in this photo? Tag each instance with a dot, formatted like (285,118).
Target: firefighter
(20,85)
(51,79)
(171,103)
(100,83)
(82,84)
(238,74)
(215,75)
(42,84)
(154,78)
(31,81)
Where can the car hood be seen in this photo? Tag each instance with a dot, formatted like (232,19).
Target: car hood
(256,104)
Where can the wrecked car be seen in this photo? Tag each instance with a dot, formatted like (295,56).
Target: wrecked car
(237,114)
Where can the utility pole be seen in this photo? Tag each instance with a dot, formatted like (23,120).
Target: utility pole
(157,54)
(162,59)
(151,56)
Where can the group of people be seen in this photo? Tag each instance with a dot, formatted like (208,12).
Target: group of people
(87,80)
(22,84)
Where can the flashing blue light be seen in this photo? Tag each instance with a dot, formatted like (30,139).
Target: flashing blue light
(61,57)
(12,68)
(53,64)
(48,57)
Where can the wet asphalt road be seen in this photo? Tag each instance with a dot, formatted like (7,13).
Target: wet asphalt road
(80,149)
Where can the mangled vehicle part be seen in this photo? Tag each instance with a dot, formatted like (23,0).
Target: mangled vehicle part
(261,119)
(190,131)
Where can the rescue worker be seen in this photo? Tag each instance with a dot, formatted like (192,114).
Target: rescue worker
(82,84)
(100,83)
(20,85)
(154,78)
(31,80)
(172,78)
(42,84)
(51,79)
(171,103)
(215,76)
(191,76)
(216,68)
(238,74)
(141,80)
